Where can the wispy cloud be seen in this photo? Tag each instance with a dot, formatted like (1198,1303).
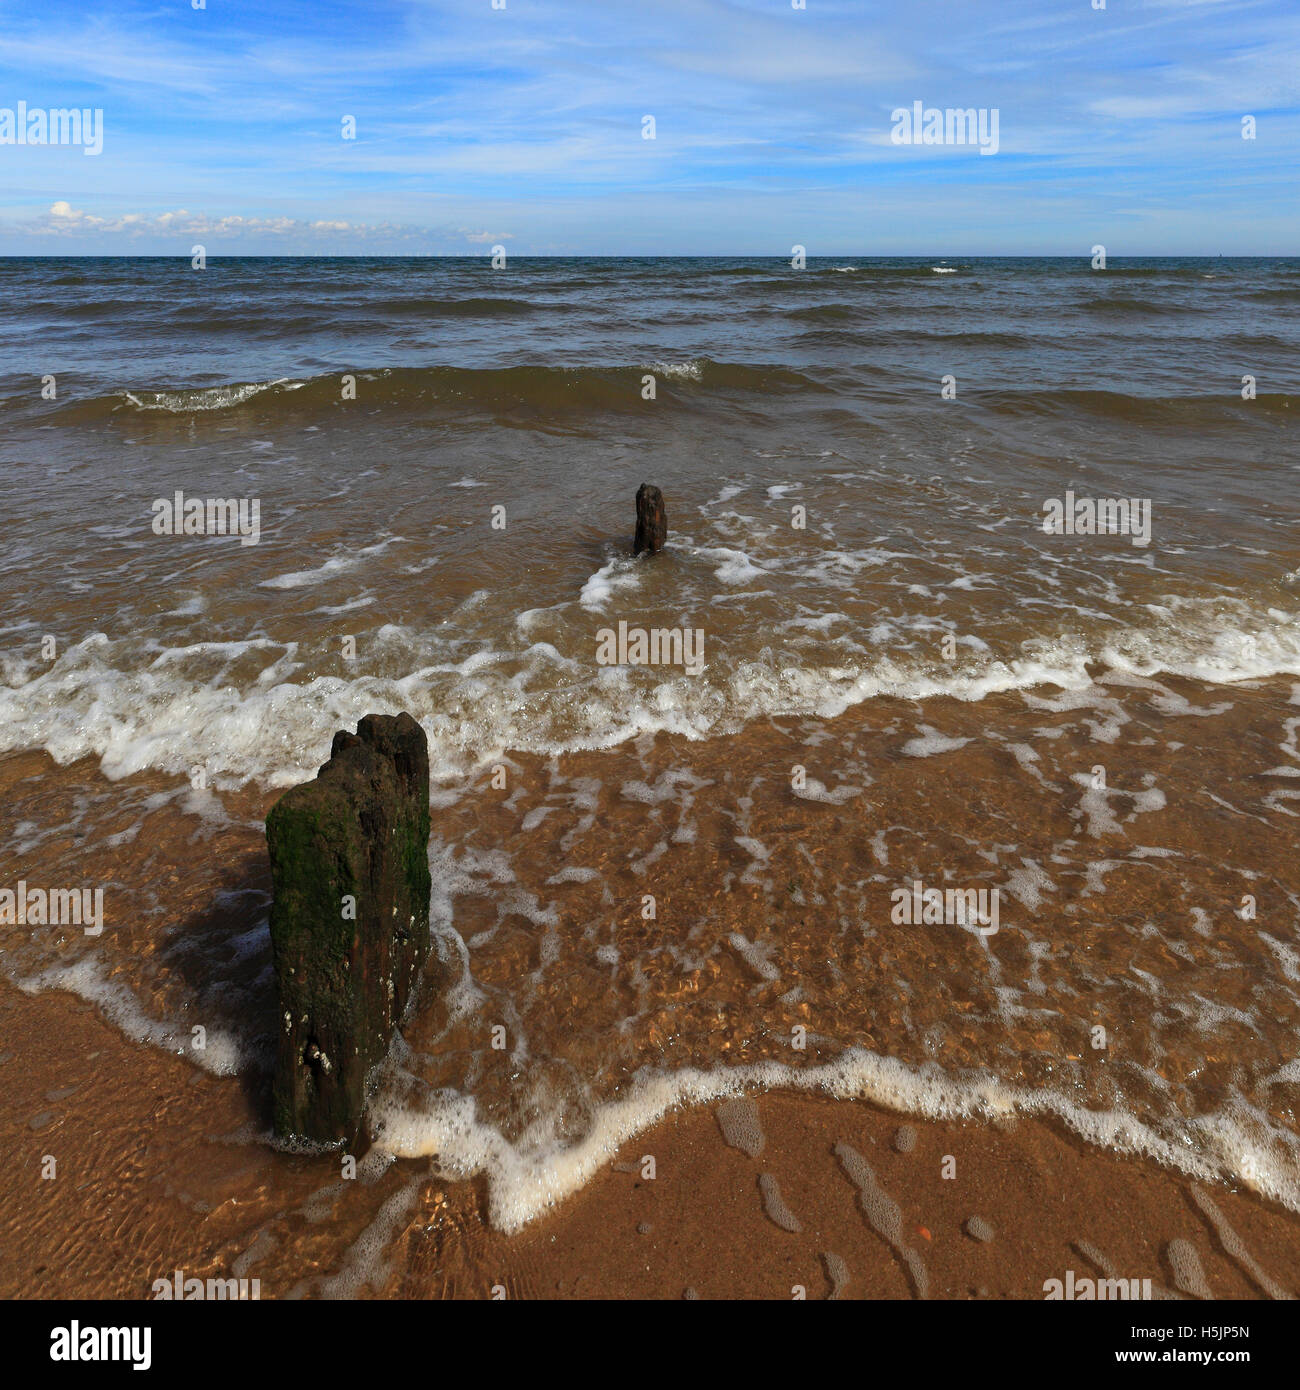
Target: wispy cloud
(771,125)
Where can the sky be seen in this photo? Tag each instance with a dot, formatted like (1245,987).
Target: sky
(523,126)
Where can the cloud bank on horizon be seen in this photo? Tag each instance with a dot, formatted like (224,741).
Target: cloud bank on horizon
(665,127)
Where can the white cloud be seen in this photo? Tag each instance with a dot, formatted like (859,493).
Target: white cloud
(63,220)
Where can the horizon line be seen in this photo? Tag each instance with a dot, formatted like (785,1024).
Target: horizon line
(642,256)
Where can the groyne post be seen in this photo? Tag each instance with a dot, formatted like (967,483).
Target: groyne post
(651,521)
(349,920)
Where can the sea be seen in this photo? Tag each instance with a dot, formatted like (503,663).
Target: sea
(982,576)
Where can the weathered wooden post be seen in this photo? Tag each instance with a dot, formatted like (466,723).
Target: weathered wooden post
(651,520)
(349,921)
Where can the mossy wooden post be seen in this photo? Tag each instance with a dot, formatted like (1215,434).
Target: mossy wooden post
(349,920)
(651,520)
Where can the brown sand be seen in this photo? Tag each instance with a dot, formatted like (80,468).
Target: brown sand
(158,1169)
(161,1166)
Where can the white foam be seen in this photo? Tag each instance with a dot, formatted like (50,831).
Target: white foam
(741,1127)
(369,1260)
(574,874)
(883,1214)
(775,1207)
(813,790)
(680,371)
(339,564)
(755,955)
(931,743)
(619,574)
(837,1271)
(540,1168)
(1028,883)
(1234,1246)
(333,610)
(736,566)
(209,398)
(165,711)
(1185,1265)
(223,1053)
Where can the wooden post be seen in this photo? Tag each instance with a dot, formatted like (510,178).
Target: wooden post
(349,921)
(651,520)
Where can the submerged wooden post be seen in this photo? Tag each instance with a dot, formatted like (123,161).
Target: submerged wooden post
(651,521)
(349,921)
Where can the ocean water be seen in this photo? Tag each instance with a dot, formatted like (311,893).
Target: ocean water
(668,884)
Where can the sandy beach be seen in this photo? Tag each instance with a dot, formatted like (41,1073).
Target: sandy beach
(117,1217)
(164,1155)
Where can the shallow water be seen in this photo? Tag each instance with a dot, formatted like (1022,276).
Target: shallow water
(1099,726)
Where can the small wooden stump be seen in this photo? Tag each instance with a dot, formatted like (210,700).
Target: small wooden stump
(651,520)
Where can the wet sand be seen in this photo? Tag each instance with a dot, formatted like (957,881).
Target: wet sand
(165,1165)
(141,1190)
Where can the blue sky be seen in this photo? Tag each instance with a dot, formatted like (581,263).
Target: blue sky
(523,126)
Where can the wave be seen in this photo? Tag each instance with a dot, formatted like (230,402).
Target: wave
(524,1180)
(827,313)
(1283,295)
(1126,304)
(892,272)
(781,269)
(862,330)
(101,699)
(971,338)
(1174,411)
(205,398)
(1153,272)
(89,309)
(538,392)
(775,268)
(482,307)
(275,316)
(340,564)
(572,398)
(455,390)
